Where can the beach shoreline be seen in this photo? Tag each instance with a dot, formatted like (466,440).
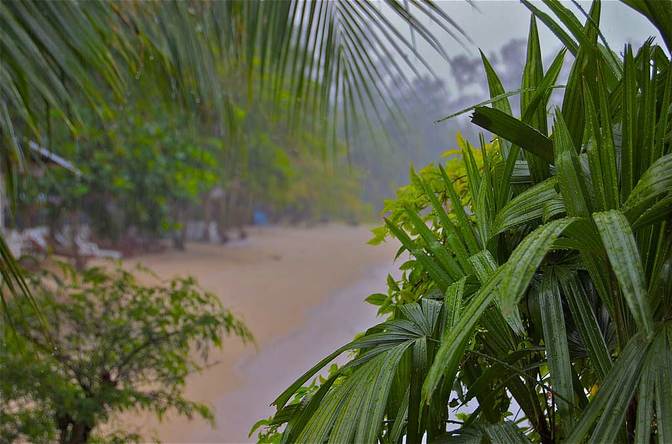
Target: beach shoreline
(299,290)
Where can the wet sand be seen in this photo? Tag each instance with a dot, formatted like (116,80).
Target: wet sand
(300,291)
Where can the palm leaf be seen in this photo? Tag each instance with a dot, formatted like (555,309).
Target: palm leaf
(586,321)
(353,410)
(621,248)
(557,350)
(533,74)
(51,49)
(526,207)
(658,13)
(455,338)
(514,130)
(609,405)
(654,183)
(523,263)
(570,174)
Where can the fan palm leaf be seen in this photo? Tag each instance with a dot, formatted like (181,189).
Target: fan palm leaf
(567,306)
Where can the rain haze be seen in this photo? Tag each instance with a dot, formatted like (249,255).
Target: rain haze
(251,221)
(493,23)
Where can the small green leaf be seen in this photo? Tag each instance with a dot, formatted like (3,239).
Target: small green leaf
(376,299)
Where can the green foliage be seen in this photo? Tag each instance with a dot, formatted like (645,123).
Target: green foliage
(548,287)
(319,191)
(185,47)
(195,54)
(111,344)
(449,182)
(157,166)
(139,167)
(292,173)
(268,429)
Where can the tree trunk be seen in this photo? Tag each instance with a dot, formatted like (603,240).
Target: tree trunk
(72,432)
(63,423)
(80,433)
(180,234)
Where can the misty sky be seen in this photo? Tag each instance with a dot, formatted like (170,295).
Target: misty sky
(498,21)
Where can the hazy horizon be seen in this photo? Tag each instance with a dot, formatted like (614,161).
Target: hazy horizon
(492,23)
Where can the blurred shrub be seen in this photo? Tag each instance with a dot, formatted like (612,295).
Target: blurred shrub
(104,344)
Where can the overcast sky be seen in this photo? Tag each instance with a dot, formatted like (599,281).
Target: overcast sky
(498,21)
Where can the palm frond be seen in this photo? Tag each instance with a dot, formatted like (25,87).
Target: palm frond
(332,58)
(565,304)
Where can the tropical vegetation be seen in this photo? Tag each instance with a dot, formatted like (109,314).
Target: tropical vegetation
(153,106)
(541,286)
(314,66)
(113,345)
(145,171)
(534,302)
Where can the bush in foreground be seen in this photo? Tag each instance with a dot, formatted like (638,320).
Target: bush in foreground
(104,344)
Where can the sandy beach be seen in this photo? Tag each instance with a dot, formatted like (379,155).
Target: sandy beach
(299,290)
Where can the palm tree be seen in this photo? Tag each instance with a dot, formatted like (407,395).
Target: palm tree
(325,54)
(545,288)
